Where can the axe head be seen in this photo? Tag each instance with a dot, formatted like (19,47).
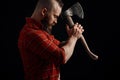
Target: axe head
(75,9)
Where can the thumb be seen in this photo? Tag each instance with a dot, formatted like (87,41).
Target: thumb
(67,27)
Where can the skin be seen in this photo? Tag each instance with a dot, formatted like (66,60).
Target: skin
(49,18)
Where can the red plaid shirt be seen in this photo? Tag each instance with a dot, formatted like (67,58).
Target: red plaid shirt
(40,52)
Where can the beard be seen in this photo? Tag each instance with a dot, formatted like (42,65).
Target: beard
(46,25)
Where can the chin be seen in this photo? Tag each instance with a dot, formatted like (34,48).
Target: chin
(49,29)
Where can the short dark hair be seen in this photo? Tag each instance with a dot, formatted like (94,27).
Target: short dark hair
(48,3)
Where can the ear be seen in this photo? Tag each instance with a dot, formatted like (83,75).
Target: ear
(44,11)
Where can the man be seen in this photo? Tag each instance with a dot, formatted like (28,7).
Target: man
(41,53)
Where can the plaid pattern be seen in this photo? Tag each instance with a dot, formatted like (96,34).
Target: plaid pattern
(40,52)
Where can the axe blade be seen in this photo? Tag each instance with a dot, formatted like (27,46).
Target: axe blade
(75,9)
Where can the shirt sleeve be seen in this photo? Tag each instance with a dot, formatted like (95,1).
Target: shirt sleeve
(46,48)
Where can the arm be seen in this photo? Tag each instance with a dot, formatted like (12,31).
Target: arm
(69,47)
(74,35)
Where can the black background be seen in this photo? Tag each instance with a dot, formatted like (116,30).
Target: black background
(101,24)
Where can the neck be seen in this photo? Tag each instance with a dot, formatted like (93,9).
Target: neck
(36,17)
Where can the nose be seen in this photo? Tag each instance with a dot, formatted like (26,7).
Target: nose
(55,21)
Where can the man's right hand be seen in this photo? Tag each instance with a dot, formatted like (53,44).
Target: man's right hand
(76,31)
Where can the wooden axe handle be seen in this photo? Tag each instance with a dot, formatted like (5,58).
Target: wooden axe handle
(83,41)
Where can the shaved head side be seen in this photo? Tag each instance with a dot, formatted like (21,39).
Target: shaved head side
(48,4)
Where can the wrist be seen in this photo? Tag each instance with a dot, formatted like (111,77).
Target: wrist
(73,38)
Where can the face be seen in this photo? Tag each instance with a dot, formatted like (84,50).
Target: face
(51,17)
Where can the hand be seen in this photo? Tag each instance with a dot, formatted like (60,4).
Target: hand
(76,31)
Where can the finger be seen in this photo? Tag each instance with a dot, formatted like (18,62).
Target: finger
(80,26)
(67,27)
(82,30)
(76,24)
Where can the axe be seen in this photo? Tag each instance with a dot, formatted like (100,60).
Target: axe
(77,10)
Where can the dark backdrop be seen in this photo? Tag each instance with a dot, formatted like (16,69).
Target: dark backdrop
(101,24)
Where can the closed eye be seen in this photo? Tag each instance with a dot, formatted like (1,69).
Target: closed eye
(55,16)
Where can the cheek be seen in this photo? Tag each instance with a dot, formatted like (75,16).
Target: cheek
(51,19)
